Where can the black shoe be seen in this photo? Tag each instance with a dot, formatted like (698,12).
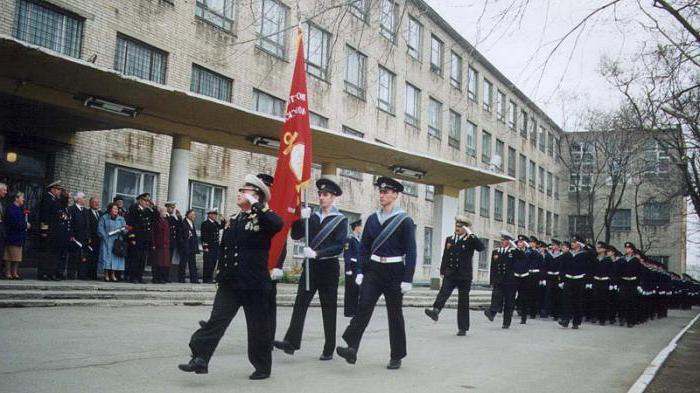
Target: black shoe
(181,281)
(523,321)
(394,364)
(574,327)
(202,323)
(489,315)
(563,323)
(462,332)
(44,277)
(196,365)
(629,324)
(432,313)
(347,353)
(207,281)
(285,346)
(601,323)
(259,375)
(505,326)
(197,282)
(325,357)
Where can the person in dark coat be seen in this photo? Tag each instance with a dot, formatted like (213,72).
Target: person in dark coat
(94,214)
(456,270)
(3,194)
(629,271)
(79,239)
(502,280)
(188,246)
(351,255)
(139,219)
(243,280)
(160,254)
(210,244)
(51,215)
(573,273)
(174,219)
(602,278)
(15,226)
(552,262)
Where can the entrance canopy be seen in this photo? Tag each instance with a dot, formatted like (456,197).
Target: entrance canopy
(46,93)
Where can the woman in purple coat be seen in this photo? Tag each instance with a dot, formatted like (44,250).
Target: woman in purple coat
(16,226)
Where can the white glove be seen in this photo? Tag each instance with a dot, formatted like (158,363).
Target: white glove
(305,212)
(639,289)
(309,253)
(251,199)
(348,273)
(611,287)
(405,287)
(543,283)
(561,285)
(512,244)
(276,274)
(358,279)
(589,286)
(469,231)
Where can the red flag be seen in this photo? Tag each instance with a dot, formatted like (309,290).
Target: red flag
(293,170)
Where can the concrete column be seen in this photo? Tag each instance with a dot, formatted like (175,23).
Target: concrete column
(445,203)
(329,170)
(178,183)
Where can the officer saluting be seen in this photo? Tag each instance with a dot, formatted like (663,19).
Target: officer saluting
(456,268)
(328,229)
(503,280)
(351,255)
(139,219)
(386,266)
(243,281)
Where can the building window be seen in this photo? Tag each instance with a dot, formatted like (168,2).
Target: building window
(436,55)
(521,213)
(386,90)
(414,38)
(353,174)
(580,182)
(656,158)
(48,27)
(471,139)
(500,155)
(523,169)
(128,183)
(454,139)
(355,72)
(548,223)
(485,202)
(511,162)
(555,228)
(388,14)
(472,84)
(621,220)
(550,183)
(353,132)
(412,105)
(550,144)
(533,174)
(533,131)
(470,200)
(265,103)
(542,179)
(542,139)
(486,147)
(409,188)
(578,225)
(531,217)
(317,51)
(657,213)
(359,8)
(540,220)
(661,259)
(434,118)
(501,106)
(498,205)
(137,59)
(316,120)
(484,256)
(523,124)
(510,211)
(427,246)
(217,12)
(203,198)
(429,192)
(211,84)
(512,115)
(556,187)
(272,36)
(456,71)
(488,95)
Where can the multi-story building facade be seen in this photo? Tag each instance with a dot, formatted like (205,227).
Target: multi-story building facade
(393,72)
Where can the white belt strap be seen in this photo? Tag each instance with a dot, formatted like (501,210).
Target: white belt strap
(553,273)
(629,278)
(379,259)
(576,277)
(601,278)
(521,275)
(534,270)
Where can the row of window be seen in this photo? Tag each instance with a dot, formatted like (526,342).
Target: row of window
(654,213)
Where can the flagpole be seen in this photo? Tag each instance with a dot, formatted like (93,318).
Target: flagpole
(306,240)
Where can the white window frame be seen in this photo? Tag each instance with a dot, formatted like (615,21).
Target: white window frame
(434,118)
(412,112)
(454,139)
(388,17)
(414,38)
(273,42)
(317,53)
(437,55)
(386,90)
(223,18)
(456,64)
(110,188)
(355,63)
(212,188)
(471,135)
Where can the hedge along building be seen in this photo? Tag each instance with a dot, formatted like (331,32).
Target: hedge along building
(199,88)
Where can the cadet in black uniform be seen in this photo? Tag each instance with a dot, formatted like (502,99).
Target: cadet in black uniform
(209,231)
(456,269)
(328,229)
(139,219)
(573,273)
(521,270)
(629,271)
(351,254)
(50,213)
(602,279)
(174,219)
(386,266)
(503,280)
(243,280)
(552,261)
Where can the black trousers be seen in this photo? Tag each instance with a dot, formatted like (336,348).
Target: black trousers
(160,273)
(352,295)
(272,309)
(380,279)
(503,299)
(526,299)
(613,305)
(227,302)
(209,259)
(190,261)
(573,301)
(463,288)
(628,301)
(552,298)
(324,276)
(139,257)
(601,300)
(589,303)
(77,264)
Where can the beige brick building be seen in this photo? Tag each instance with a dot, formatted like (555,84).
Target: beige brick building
(391,72)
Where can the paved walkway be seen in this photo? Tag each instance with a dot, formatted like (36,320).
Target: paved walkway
(681,371)
(136,349)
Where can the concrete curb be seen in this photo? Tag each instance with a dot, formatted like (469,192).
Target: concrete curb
(650,372)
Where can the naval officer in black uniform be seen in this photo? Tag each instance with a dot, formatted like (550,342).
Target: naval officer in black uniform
(456,269)
(351,255)
(209,230)
(503,280)
(328,229)
(243,280)
(386,266)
